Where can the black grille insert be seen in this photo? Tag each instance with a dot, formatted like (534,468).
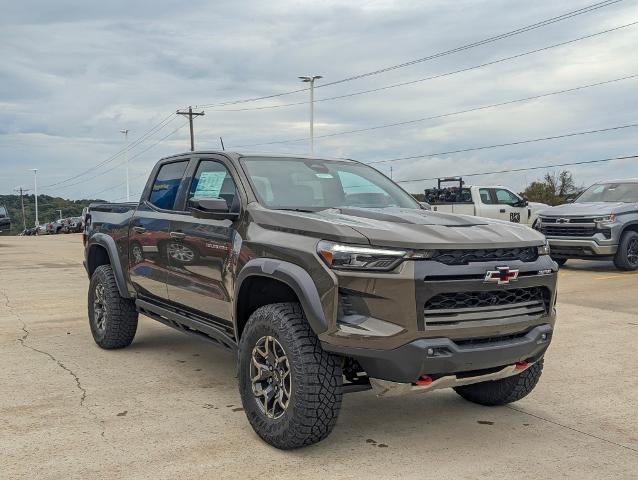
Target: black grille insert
(552,231)
(453,308)
(463,257)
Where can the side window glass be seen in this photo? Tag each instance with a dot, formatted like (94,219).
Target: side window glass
(485,196)
(212,180)
(505,197)
(166,185)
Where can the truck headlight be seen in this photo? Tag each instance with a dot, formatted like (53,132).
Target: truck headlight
(544,249)
(605,220)
(359,257)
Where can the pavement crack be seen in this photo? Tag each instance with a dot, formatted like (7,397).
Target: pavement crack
(573,429)
(59,363)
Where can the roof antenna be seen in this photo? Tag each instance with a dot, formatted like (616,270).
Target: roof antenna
(221,140)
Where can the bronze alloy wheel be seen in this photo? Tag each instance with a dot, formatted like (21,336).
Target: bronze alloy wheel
(270,377)
(99,307)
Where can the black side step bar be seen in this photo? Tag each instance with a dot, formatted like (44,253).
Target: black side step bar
(186,323)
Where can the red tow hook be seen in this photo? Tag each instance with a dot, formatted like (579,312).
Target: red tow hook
(423,381)
(521,365)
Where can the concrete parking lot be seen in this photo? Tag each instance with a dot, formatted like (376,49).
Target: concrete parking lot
(168,406)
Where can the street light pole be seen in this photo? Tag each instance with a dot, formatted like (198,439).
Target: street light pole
(311,81)
(128,190)
(35,190)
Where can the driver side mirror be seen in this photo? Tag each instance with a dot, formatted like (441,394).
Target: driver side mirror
(211,208)
(425,205)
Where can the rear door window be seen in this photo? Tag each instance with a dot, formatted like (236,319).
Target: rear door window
(486,198)
(166,184)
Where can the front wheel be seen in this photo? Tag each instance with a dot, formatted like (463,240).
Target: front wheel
(560,261)
(627,254)
(505,390)
(290,387)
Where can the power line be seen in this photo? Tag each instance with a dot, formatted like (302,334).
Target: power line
(122,163)
(151,131)
(444,115)
(136,156)
(495,38)
(498,145)
(524,169)
(432,77)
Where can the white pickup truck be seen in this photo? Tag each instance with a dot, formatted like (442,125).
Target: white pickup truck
(493,201)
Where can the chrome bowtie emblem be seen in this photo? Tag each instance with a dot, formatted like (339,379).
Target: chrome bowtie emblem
(562,220)
(502,275)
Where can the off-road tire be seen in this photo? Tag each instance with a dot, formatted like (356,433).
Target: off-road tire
(504,391)
(316,387)
(120,316)
(560,261)
(621,259)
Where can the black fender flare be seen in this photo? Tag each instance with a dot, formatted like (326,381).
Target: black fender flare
(107,242)
(298,279)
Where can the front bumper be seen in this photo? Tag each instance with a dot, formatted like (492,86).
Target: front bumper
(573,248)
(442,356)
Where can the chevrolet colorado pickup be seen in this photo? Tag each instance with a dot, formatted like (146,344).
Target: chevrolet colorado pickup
(602,223)
(323,277)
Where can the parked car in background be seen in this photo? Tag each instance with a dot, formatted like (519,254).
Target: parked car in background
(72,225)
(602,223)
(493,201)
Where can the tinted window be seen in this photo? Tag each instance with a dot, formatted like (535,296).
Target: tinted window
(319,184)
(166,185)
(212,180)
(485,196)
(505,197)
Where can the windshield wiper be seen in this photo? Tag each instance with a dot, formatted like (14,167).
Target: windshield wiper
(303,210)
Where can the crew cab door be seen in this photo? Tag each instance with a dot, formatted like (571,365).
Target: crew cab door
(485,204)
(200,250)
(150,226)
(510,206)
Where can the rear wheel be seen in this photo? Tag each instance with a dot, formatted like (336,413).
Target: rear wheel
(113,319)
(627,254)
(505,390)
(290,387)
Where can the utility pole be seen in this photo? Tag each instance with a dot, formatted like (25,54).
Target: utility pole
(35,187)
(311,81)
(190,114)
(24,217)
(128,189)
(60,214)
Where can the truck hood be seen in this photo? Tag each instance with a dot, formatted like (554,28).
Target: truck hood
(588,209)
(397,227)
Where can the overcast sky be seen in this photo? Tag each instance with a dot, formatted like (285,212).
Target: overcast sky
(73,73)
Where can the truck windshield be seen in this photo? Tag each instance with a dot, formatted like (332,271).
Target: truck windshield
(610,192)
(314,184)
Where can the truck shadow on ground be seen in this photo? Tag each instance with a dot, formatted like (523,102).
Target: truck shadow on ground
(366,421)
(589,266)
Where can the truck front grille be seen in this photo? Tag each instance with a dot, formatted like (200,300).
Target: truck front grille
(463,257)
(454,307)
(552,231)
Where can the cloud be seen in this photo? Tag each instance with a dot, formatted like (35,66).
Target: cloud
(75,73)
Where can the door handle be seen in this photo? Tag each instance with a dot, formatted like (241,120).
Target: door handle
(502,210)
(139,229)
(177,235)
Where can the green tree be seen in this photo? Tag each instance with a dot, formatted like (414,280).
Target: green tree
(47,209)
(553,189)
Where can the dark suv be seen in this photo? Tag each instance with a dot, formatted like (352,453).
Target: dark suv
(324,277)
